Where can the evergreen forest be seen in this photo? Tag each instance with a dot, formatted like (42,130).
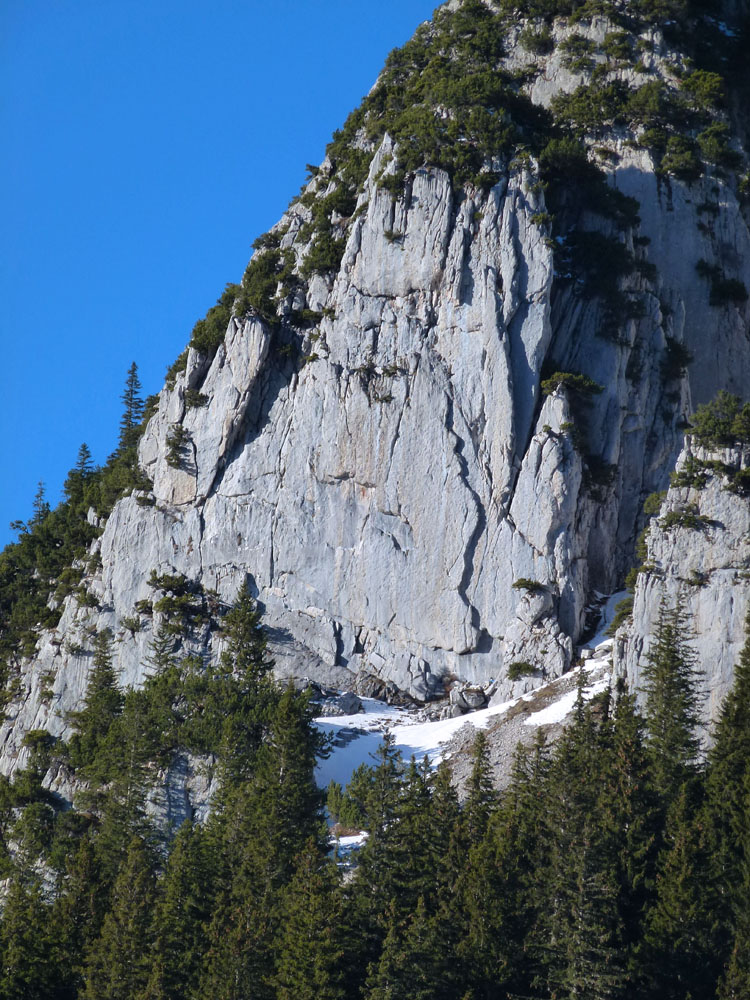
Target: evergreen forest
(616,863)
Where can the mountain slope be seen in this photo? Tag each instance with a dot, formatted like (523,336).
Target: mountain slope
(423,426)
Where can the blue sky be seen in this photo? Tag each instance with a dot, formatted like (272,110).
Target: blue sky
(147,143)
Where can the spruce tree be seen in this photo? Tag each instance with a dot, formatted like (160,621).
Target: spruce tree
(728,809)
(584,942)
(27,959)
(178,924)
(413,964)
(77,914)
(133,410)
(102,705)
(118,962)
(729,767)
(683,951)
(671,680)
(309,946)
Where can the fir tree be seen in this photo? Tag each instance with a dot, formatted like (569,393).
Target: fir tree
(77,915)
(728,807)
(481,795)
(683,952)
(75,484)
(413,964)
(584,944)
(729,767)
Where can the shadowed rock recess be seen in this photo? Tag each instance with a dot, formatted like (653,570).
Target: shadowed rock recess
(452,373)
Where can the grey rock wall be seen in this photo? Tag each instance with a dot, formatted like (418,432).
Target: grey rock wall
(705,563)
(383,498)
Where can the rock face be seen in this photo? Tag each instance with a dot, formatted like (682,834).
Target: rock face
(698,552)
(382,497)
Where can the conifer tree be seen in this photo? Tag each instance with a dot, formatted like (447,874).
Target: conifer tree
(584,930)
(118,962)
(632,816)
(133,410)
(76,918)
(79,475)
(735,981)
(682,950)
(729,768)
(481,795)
(178,924)
(413,964)
(310,952)
(672,716)
(27,966)
(101,706)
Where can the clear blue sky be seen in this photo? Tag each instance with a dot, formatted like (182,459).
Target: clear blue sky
(146,144)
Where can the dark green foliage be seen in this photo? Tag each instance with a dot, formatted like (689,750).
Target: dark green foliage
(623,613)
(310,946)
(117,966)
(680,158)
(27,957)
(580,385)
(102,705)
(676,359)
(670,676)
(532,586)
(721,423)
(177,440)
(618,45)
(269,274)
(577,51)
(519,669)
(208,333)
(177,926)
(133,410)
(686,516)
(539,41)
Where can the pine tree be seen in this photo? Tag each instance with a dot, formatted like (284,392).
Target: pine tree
(118,962)
(132,412)
(672,716)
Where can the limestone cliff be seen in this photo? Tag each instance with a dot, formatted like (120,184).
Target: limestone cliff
(698,552)
(388,456)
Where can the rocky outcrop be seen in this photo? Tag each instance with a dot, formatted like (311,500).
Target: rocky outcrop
(699,554)
(383,479)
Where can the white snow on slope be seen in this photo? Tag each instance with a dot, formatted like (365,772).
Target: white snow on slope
(557,711)
(360,735)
